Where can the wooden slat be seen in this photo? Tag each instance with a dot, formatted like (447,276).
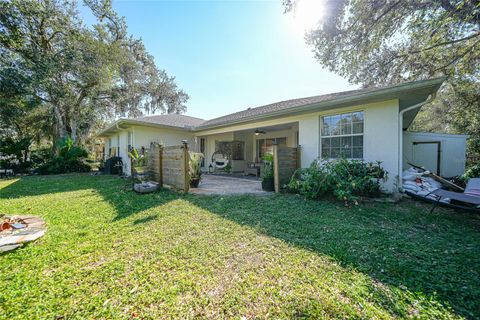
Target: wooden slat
(286,161)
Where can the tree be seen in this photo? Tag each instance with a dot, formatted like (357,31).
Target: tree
(381,42)
(81,75)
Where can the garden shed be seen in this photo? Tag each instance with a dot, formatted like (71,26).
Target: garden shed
(440,153)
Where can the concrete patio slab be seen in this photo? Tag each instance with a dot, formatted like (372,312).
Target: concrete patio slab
(226,185)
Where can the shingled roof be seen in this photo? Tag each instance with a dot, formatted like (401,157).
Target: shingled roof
(171,120)
(277,106)
(403,91)
(408,94)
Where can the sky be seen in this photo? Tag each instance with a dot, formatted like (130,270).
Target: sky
(231,55)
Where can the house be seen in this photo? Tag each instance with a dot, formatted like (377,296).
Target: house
(367,124)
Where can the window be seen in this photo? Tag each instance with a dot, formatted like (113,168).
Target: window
(238,150)
(265,146)
(342,136)
(235,150)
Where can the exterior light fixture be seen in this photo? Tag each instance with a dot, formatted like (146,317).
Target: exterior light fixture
(258,132)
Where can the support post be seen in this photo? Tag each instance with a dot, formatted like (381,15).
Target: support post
(186,161)
(276,176)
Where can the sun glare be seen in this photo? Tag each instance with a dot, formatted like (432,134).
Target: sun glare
(307,14)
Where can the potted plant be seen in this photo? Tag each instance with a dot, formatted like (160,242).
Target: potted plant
(195,169)
(266,173)
(140,173)
(228,168)
(139,166)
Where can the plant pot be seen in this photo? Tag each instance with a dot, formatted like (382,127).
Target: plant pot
(194,182)
(5,226)
(268,184)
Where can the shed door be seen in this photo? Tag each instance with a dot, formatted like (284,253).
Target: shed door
(426,154)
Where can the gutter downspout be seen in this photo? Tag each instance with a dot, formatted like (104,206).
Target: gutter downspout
(400,135)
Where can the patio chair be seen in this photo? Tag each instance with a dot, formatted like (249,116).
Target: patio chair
(252,168)
(470,197)
(219,160)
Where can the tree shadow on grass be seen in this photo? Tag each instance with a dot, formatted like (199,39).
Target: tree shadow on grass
(146,219)
(400,245)
(114,190)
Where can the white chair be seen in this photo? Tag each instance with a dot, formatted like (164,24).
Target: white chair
(220,161)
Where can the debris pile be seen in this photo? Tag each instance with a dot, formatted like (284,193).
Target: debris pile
(12,223)
(15,231)
(421,183)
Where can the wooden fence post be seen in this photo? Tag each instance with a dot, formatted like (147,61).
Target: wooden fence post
(160,166)
(132,172)
(276,176)
(299,156)
(186,162)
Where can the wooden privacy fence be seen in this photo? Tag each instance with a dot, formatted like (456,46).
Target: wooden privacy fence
(285,161)
(169,166)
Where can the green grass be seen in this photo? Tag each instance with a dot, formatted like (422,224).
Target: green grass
(110,253)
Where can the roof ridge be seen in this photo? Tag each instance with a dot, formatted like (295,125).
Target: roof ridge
(168,114)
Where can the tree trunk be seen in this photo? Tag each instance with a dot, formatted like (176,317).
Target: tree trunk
(61,128)
(73,128)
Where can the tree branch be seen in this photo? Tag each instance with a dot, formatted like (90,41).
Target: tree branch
(444,43)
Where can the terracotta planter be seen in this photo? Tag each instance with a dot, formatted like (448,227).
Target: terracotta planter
(5,226)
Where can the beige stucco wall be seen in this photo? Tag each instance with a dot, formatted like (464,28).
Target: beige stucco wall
(380,136)
(143,136)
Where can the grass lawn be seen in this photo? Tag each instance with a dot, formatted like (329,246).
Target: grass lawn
(111,253)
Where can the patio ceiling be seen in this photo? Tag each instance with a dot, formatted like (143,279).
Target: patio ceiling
(279,127)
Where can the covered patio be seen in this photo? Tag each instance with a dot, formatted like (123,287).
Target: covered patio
(244,148)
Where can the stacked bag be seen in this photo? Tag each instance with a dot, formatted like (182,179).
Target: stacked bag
(417,182)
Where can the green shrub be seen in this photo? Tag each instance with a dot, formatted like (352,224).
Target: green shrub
(268,157)
(195,165)
(69,158)
(267,171)
(13,154)
(472,172)
(41,156)
(346,180)
(267,167)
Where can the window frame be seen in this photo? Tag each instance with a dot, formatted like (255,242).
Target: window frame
(321,135)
